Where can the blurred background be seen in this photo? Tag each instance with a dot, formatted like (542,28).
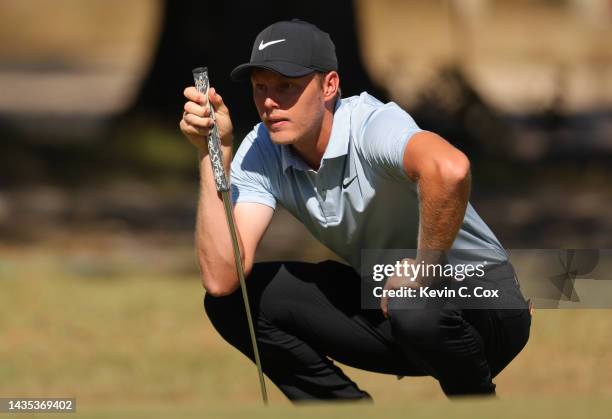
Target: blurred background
(99,291)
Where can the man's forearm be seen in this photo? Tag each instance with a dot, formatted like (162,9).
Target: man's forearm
(213,240)
(443,201)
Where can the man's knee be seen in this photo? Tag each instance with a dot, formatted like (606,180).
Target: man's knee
(218,308)
(275,291)
(227,313)
(228,317)
(221,310)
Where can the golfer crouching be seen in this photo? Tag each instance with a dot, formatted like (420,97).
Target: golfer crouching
(359,174)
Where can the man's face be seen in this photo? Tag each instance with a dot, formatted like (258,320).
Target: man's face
(291,108)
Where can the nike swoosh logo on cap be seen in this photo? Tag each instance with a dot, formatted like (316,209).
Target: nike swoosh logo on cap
(263,45)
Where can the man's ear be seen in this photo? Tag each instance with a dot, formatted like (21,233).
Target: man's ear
(331,84)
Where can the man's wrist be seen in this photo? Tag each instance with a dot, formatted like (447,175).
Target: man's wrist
(202,153)
(429,255)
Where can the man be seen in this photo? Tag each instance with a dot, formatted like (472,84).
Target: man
(360,175)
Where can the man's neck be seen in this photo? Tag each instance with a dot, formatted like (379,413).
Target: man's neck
(312,151)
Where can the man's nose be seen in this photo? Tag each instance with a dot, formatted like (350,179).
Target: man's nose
(270,103)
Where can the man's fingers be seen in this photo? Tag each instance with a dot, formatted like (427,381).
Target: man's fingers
(198,98)
(196,109)
(192,94)
(383,306)
(217,100)
(199,128)
(198,122)
(189,129)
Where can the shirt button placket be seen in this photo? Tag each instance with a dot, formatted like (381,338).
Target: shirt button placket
(313,179)
(327,205)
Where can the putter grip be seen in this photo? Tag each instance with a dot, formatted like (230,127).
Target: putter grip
(200,77)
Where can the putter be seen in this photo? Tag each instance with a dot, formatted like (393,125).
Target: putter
(200,76)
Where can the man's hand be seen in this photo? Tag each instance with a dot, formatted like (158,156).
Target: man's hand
(396,283)
(197,124)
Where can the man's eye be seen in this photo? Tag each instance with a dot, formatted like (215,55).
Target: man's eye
(286,86)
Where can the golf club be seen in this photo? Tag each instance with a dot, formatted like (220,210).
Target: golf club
(200,76)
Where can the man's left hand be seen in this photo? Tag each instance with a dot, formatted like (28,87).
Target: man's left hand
(395,283)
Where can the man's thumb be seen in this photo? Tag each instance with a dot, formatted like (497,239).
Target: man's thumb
(216,100)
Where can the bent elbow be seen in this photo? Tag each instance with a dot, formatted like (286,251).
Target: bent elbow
(219,290)
(457,169)
(220,281)
(219,285)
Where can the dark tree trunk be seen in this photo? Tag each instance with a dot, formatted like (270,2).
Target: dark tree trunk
(219,34)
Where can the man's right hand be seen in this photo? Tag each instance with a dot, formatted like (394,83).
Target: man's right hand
(197,124)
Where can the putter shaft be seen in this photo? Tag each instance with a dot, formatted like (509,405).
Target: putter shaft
(200,76)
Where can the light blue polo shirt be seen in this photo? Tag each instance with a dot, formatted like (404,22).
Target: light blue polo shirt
(360,198)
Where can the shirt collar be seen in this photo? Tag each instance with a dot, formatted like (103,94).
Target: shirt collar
(336,147)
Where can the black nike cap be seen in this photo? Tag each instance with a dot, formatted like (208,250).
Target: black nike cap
(291,48)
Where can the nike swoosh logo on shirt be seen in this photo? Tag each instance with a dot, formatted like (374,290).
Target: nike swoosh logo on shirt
(346,183)
(263,45)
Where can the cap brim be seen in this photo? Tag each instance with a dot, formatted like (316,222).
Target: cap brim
(243,71)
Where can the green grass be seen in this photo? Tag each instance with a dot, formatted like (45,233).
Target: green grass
(141,346)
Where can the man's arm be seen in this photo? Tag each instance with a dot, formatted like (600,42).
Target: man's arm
(212,236)
(213,240)
(442,173)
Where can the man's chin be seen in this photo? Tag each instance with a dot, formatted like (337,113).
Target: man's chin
(281,138)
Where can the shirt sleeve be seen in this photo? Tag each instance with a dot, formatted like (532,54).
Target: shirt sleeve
(384,137)
(250,180)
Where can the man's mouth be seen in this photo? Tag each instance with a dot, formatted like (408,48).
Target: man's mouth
(277,123)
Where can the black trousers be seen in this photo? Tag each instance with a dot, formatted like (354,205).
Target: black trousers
(307,315)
